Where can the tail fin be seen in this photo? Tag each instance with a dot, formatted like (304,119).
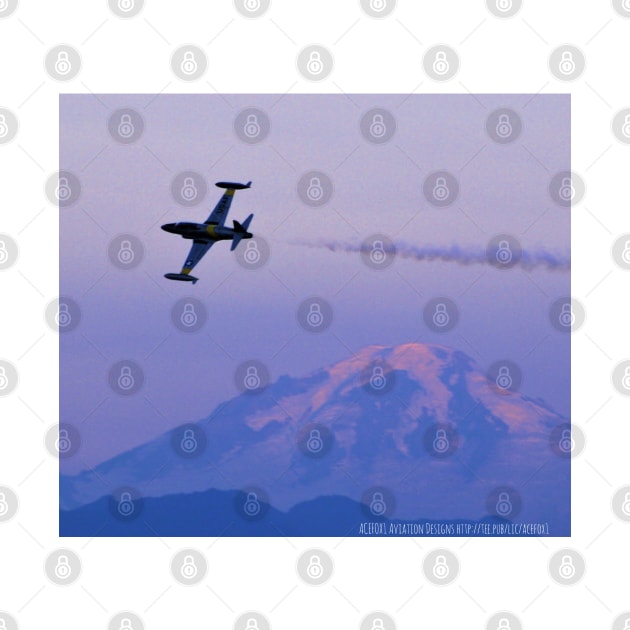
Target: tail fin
(240,231)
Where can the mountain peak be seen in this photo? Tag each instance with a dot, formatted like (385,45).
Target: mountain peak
(373,436)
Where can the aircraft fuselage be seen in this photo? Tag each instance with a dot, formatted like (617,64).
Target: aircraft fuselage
(204,235)
(202,231)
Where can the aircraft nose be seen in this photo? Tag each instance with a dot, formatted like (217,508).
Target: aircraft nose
(169,227)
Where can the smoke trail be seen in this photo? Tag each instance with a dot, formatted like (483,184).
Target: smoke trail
(493,255)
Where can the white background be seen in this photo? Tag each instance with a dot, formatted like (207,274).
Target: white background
(371,55)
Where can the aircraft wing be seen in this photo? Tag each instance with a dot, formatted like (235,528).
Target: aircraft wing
(220,211)
(222,208)
(197,252)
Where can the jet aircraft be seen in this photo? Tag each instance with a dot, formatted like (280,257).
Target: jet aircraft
(205,235)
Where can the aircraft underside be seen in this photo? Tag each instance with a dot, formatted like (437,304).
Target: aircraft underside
(204,235)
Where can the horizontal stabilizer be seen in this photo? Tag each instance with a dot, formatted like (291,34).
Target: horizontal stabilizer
(233,185)
(236,239)
(181,276)
(247,221)
(240,231)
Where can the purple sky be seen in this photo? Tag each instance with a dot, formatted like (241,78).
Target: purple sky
(252,314)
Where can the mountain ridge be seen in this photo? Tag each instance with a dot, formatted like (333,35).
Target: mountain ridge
(377,439)
(213,513)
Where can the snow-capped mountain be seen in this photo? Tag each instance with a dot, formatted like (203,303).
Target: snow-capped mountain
(418,429)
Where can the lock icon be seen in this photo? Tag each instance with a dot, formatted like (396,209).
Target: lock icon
(252,505)
(189,63)
(125,5)
(126,128)
(504,624)
(440,568)
(567,568)
(440,63)
(189,441)
(315,570)
(504,378)
(4,381)
(504,505)
(4,254)
(440,189)
(125,253)
(63,317)
(567,63)
(567,443)
(62,64)
(377,126)
(440,317)
(504,5)
(252,380)
(567,316)
(252,127)
(63,570)
(625,254)
(4,506)
(378,5)
(125,379)
(189,190)
(377,504)
(504,126)
(626,5)
(625,506)
(377,624)
(441,442)
(125,624)
(252,5)
(315,443)
(4,128)
(63,443)
(125,504)
(377,254)
(252,624)
(189,569)
(63,192)
(626,625)
(189,317)
(504,253)
(566,191)
(315,191)
(625,381)
(378,380)
(315,317)
(252,253)
(625,129)
(314,64)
